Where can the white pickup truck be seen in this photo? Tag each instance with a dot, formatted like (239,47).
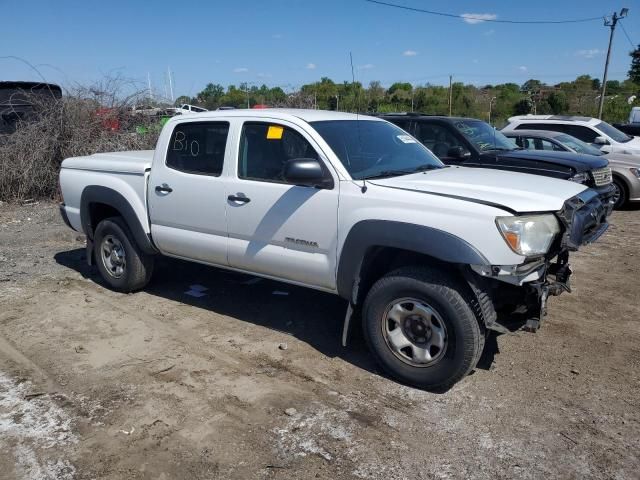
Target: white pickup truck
(351,205)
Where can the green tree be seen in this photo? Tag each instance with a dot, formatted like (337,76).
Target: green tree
(634,69)
(558,102)
(211,95)
(523,107)
(532,85)
(181,100)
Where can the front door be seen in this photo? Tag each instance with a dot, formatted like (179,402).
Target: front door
(186,193)
(276,228)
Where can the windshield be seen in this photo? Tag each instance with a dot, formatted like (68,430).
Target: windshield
(613,132)
(578,145)
(370,148)
(484,136)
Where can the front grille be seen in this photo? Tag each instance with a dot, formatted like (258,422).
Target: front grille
(601,176)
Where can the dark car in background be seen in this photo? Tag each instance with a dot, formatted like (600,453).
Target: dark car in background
(473,143)
(20,101)
(624,168)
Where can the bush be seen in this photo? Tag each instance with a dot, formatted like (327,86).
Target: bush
(81,123)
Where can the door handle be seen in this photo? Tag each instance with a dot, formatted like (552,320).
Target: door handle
(235,198)
(164,188)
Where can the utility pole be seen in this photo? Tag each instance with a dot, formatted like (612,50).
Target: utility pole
(337,102)
(490,104)
(611,23)
(450,92)
(170,84)
(149,83)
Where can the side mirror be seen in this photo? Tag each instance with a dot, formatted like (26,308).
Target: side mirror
(460,153)
(306,172)
(601,141)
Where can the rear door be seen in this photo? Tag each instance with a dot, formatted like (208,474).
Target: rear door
(276,228)
(186,192)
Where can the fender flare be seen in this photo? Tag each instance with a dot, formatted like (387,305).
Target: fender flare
(429,241)
(99,194)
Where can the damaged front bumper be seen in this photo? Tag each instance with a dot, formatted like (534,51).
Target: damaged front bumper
(525,288)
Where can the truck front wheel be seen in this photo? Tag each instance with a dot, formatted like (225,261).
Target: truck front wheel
(421,329)
(120,261)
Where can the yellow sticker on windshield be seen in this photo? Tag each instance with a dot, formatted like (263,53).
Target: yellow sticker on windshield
(275,132)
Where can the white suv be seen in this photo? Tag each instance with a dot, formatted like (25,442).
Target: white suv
(591,130)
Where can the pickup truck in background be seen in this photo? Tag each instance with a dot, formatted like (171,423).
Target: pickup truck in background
(426,255)
(473,143)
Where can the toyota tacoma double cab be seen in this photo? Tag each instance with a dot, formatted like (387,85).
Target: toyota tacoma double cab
(426,255)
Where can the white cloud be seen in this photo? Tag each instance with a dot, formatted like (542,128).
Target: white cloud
(522,68)
(311,66)
(240,70)
(489,32)
(409,53)
(277,36)
(474,18)
(366,66)
(475,60)
(589,53)
(264,75)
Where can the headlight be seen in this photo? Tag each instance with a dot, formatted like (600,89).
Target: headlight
(635,171)
(529,234)
(580,178)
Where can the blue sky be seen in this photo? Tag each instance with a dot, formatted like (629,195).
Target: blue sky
(291,42)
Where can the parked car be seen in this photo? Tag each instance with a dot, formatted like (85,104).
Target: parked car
(625,168)
(633,125)
(21,101)
(590,130)
(186,108)
(345,204)
(474,143)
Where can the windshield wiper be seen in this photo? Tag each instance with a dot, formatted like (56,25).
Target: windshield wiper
(500,149)
(424,168)
(388,173)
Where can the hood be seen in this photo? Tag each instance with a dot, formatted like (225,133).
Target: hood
(631,147)
(515,192)
(580,162)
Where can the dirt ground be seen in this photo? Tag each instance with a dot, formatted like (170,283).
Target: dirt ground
(249,381)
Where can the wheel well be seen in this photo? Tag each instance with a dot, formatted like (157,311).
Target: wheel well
(100,211)
(379,261)
(622,181)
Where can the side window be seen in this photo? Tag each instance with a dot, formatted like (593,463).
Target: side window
(542,144)
(265,148)
(583,133)
(437,138)
(198,148)
(528,143)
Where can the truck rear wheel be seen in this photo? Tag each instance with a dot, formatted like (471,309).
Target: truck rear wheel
(421,329)
(120,261)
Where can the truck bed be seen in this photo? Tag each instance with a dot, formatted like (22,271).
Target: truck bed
(124,172)
(135,161)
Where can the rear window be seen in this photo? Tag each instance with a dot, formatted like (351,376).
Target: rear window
(613,132)
(583,133)
(198,148)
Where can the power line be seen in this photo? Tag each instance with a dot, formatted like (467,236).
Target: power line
(481,19)
(633,45)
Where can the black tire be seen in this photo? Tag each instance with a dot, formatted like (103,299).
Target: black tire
(448,297)
(622,193)
(137,268)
